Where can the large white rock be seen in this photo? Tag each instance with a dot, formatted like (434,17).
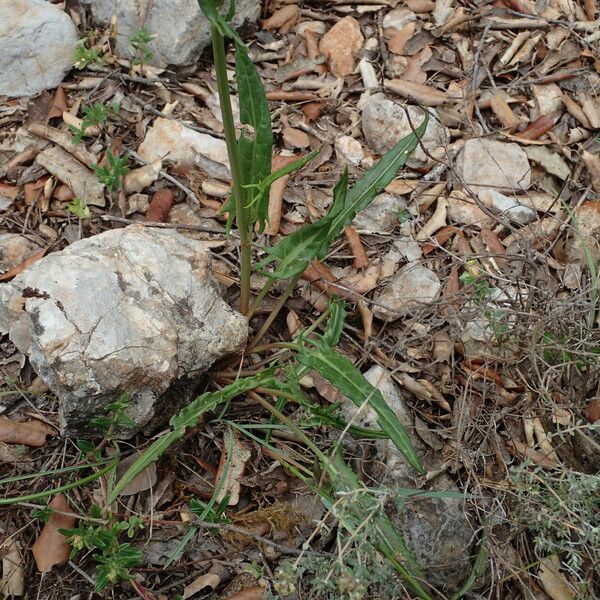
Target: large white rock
(36,48)
(179,28)
(132,311)
(385,123)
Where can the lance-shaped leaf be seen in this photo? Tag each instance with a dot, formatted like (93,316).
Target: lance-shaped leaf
(256,140)
(335,323)
(188,417)
(351,382)
(294,253)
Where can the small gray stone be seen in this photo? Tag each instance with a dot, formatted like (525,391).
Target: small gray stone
(485,164)
(38,42)
(508,208)
(14,249)
(131,311)
(411,288)
(381,215)
(385,123)
(179,29)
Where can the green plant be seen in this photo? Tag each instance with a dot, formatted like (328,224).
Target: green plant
(79,208)
(139,43)
(561,508)
(250,161)
(111,173)
(94,116)
(115,558)
(84,57)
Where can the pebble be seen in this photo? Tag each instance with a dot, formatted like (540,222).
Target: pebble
(341,45)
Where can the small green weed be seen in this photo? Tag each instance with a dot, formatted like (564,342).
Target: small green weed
(139,42)
(562,510)
(84,56)
(79,208)
(481,286)
(94,116)
(115,558)
(111,173)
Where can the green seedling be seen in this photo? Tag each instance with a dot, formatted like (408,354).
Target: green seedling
(111,173)
(79,208)
(84,56)
(94,116)
(139,43)
(115,558)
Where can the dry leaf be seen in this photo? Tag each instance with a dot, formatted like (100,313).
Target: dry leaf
(30,433)
(253,593)
(282,17)
(51,547)
(592,410)
(276,194)
(295,138)
(592,164)
(59,104)
(13,569)
(553,581)
(231,469)
(537,129)
(208,580)
(341,45)
(140,483)
(400,38)
(422,93)
(504,112)
(361,260)
(437,221)
(160,205)
(138,179)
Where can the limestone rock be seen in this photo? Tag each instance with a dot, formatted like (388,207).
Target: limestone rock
(341,45)
(179,144)
(179,29)
(485,163)
(411,288)
(508,208)
(381,215)
(385,123)
(131,311)
(348,150)
(14,249)
(38,42)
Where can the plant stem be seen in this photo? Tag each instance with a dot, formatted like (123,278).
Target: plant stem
(239,193)
(261,296)
(276,309)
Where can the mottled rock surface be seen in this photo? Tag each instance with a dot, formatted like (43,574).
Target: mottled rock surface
(181,145)
(130,311)
(411,288)
(436,530)
(381,215)
(38,42)
(385,123)
(485,163)
(179,28)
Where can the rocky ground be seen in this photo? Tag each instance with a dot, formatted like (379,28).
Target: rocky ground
(471,282)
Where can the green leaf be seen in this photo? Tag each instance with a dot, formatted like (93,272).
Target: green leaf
(261,195)
(256,148)
(217,20)
(187,417)
(351,382)
(335,323)
(294,253)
